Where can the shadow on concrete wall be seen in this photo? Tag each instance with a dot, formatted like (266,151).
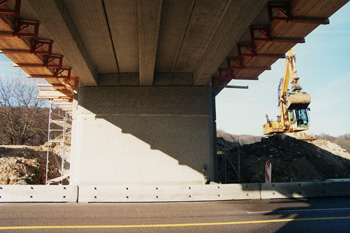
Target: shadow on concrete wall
(175,121)
(167,134)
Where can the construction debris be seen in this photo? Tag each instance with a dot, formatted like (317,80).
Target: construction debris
(292,160)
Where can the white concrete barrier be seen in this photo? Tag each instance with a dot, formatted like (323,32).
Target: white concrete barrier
(304,189)
(38,193)
(168,193)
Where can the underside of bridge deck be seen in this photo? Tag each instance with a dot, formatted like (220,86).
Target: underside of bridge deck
(163,42)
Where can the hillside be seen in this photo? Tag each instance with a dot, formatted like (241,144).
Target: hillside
(343,141)
(242,139)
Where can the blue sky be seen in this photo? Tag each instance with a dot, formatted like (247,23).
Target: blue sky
(7,69)
(323,64)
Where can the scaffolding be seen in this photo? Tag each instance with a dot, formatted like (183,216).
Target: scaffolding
(229,167)
(58,144)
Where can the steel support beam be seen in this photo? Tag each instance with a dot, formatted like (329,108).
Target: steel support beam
(149,13)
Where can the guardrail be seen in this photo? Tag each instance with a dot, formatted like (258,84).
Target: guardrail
(167,193)
(38,193)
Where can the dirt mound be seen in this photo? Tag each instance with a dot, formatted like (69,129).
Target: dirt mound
(292,160)
(25,165)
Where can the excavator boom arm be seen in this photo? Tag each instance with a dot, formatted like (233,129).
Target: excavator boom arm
(291,103)
(290,70)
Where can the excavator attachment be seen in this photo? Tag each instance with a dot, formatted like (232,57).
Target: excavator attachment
(298,100)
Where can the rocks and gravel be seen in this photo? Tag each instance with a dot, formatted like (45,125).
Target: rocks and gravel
(21,165)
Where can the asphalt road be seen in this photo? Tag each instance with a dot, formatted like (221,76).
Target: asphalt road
(278,215)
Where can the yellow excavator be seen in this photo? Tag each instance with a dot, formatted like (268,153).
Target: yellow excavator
(293,104)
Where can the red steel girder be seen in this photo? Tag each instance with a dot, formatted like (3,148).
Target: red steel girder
(14,11)
(23,26)
(59,74)
(263,33)
(246,49)
(282,11)
(63,72)
(48,62)
(226,74)
(50,59)
(221,82)
(260,32)
(66,80)
(238,62)
(240,66)
(37,44)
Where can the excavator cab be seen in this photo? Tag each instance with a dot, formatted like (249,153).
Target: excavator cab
(302,117)
(299,118)
(297,106)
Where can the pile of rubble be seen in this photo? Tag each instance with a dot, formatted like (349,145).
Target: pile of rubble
(23,165)
(292,160)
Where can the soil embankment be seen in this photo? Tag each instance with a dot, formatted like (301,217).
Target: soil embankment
(292,160)
(26,165)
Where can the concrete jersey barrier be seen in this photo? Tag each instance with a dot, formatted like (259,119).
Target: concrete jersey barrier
(161,193)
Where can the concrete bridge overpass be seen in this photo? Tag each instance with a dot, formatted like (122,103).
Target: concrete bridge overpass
(148,74)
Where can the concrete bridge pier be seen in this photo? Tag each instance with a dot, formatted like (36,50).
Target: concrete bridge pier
(144,135)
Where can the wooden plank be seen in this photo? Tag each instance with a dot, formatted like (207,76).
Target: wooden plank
(53,94)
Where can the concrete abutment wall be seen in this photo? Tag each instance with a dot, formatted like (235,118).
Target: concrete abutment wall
(143,136)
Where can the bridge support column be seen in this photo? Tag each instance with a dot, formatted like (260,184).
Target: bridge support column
(143,136)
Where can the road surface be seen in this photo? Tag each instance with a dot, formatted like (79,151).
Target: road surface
(278,215)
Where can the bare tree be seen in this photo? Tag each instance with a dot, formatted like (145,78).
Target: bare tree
(22,116)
